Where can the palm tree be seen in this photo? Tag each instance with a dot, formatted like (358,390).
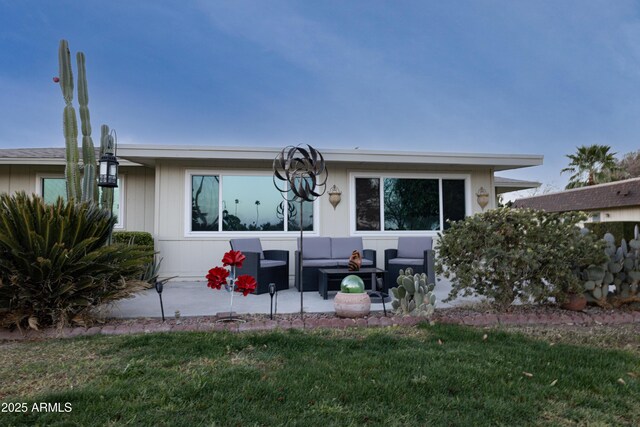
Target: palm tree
(591,165)
(257,213)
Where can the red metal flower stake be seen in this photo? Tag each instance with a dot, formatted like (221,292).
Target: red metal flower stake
(219,276)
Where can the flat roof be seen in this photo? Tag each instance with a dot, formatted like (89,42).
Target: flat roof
(506,185)
(147,154)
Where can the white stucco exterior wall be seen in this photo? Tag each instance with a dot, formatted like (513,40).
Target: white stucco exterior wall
(191,256)
(138,189)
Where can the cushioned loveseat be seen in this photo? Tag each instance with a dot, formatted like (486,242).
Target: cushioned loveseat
(328,252)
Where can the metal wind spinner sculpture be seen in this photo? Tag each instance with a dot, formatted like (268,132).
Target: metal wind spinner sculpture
(301,176)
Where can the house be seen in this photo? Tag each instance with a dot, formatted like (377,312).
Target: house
(180,193)
(613,201)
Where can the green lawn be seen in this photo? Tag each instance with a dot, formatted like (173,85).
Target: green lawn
(433,375)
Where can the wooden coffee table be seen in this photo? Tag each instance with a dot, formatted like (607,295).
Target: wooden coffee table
(329,278)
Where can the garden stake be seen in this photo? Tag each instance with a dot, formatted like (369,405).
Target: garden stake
(159,285)
(272,292)
(304,174)
(300,266)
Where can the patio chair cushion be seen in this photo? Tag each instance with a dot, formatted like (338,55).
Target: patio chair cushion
(247,245)
(316,248)
(407,261)
(343,247)
(267,263)
(413,247)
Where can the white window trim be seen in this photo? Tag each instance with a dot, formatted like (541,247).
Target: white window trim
(227,234)
(381,175)
(120,225)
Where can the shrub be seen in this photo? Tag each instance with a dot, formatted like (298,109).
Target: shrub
(54,265)
(509,253)
(141,238)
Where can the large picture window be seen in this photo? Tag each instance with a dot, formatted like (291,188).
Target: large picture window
(388,203)
(52,187)
(243,203)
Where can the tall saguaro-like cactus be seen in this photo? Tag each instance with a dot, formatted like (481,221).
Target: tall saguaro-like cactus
(89,185)
(88,191)
(70,123)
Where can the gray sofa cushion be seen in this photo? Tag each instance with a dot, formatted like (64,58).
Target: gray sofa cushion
(247,245)
(413,247)
(316,248)
(271,263)
(343,247)
(319,263)
(407,261)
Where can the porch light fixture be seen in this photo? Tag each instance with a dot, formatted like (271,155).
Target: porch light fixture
(334,196)
(108,176)
(482,197)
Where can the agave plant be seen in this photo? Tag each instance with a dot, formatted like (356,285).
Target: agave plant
(54,265)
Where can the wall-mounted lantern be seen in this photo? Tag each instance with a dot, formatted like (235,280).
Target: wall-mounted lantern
(334,196)
(108,165)
(482,197)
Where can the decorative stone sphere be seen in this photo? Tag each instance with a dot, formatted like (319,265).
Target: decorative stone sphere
(352,284)
(352,305)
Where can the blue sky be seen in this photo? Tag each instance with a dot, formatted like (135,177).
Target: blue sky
(537,77)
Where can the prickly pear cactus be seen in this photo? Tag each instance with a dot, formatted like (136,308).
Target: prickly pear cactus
(622,271)
(413,296)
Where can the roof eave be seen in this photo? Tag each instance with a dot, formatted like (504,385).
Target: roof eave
(50,162)
(147,154)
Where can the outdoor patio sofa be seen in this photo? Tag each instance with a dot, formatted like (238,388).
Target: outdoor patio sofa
(413,251)
(270,266)
(328,252)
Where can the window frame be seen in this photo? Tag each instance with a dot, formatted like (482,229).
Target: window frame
(403,175)
(188,233)
(120,225)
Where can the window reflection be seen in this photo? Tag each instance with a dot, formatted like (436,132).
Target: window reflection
(52,188)
(204,202)
(294,215)
(411,204)
(453,201)
(368,204)
(250,203)
(245,203)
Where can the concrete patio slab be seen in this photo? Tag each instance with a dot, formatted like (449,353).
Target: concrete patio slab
(196,299)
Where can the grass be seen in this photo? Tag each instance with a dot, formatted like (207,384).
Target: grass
(434,375)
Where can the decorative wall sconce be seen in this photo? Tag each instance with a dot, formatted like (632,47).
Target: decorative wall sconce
(334,196)
(483,197)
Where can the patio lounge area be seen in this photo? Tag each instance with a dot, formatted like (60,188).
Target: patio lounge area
(195,299)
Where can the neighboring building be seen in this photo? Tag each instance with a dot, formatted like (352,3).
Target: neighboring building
(179,193)
(613,201)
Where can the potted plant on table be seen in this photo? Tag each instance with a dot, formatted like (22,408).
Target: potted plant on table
(352,301)
(219,276)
